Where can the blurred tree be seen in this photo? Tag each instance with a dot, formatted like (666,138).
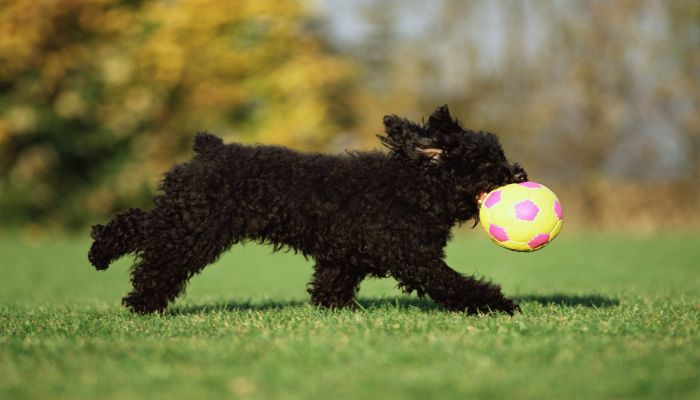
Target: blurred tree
(588,94)
(98,97)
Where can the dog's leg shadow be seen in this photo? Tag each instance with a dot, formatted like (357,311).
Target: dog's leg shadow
(569,300)
(234,306)
(399,302)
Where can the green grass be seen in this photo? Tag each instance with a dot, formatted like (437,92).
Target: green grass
(603,317)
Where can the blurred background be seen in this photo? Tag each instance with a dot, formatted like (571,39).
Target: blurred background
(600,100)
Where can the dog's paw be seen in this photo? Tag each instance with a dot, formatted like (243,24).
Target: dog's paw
(100,263)
(141,305)
(505,305)
(499,305)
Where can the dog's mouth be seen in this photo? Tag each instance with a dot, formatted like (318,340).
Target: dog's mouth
(480,198)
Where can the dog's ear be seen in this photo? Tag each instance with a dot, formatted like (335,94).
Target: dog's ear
(405,139)
(445,131)
(441,122)
(432,142)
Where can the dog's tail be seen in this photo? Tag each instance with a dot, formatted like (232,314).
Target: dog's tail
(205,142)
(122,235)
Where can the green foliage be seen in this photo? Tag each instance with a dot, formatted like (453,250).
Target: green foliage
(97,98)
(603,317)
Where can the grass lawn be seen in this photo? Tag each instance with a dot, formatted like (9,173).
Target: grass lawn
(602,317)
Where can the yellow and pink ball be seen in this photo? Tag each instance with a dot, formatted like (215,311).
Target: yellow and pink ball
(521,216)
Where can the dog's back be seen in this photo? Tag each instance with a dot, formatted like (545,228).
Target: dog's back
(311,202)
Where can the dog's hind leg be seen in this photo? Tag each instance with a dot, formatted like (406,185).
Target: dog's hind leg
(157,279)
(334,285)
(122,235)
(451,289)
(171,258)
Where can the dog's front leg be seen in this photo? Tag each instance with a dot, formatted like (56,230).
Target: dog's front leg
(334,284)
(451,289)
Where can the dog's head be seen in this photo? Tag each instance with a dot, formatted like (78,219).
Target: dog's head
(466,163)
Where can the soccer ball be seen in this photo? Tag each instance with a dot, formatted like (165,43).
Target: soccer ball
(521,216)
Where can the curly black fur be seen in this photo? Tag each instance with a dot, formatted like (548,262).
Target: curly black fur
(359,214)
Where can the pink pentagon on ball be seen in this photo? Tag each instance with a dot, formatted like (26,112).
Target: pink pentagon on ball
(557,210)
(493,199)
(498,233)
(526,210)
(539,240)
(531,185)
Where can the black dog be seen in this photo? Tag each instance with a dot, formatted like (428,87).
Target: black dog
(357,215)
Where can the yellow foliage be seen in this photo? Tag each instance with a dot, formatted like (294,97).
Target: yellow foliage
(143,77)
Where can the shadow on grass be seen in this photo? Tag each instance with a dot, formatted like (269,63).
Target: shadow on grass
(390,302)
(233,306)
(567,300)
